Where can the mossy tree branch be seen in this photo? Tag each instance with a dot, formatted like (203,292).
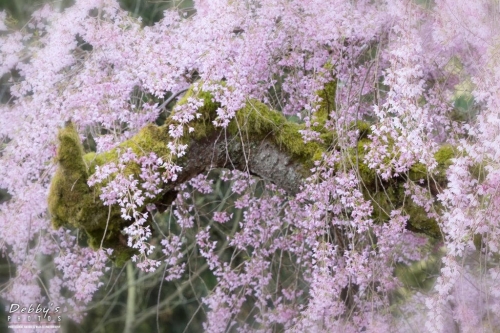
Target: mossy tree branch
(258,140)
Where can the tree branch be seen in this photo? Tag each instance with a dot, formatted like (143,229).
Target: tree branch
(258,140)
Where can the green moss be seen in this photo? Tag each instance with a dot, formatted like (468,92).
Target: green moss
(417,172)
(256,121)
(70,200)
(364,129)
(383,202)
(389,195)
(327,104)
(203,126)
(367,174)
(436,181)
(149,139)
(70,152)
(327,139)
(419,221)
(444,157)
(357,155)
(72,203)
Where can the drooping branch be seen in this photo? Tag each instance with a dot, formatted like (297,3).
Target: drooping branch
(258,140)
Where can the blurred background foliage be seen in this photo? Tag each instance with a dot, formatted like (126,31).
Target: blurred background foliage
(149,11)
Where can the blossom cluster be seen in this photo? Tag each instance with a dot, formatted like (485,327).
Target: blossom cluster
(121,187)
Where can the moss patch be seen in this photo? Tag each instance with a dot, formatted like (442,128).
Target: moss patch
(327,104)
(389,195)
(256,122)
(72,203)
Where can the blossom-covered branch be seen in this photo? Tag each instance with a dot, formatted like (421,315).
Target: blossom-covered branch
(258,140)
